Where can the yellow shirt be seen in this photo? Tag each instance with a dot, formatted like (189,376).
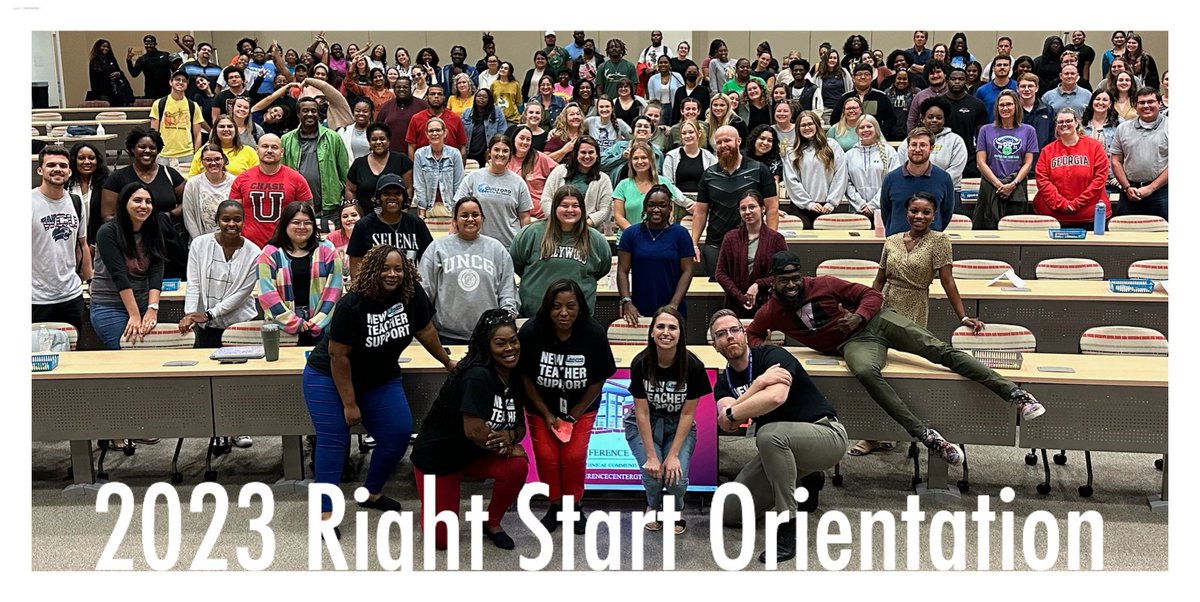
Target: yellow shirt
(174,126)
(458,106)
(508,98)
(239,161)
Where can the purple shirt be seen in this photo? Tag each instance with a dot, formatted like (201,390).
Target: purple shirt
(1006,148)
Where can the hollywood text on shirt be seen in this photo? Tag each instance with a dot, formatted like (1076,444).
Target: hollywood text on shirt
(388,325)
(568,253)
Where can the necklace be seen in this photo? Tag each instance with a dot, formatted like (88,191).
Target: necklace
(654,237)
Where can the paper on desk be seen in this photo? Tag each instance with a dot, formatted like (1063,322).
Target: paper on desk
(1162,285)
(1010,276)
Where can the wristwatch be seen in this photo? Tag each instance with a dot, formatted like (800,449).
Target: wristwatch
(625,300)
(153,306)
(729,414)
(208,315)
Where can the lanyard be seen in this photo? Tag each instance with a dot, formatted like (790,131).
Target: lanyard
(749,374)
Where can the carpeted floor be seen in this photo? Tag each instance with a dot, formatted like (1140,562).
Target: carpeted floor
(68,534)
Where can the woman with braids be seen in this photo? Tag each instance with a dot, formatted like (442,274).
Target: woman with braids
(475,429)
(353,374)
(565,361)
(560,246)
(665,380)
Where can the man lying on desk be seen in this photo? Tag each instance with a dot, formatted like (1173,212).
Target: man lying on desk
(836,317)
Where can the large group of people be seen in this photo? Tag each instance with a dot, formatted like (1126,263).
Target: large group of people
(314,179)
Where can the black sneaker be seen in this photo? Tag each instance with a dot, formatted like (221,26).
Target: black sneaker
(581,524)
(383,503)
(550,519)
(785,543)
(814,483)
(949,452)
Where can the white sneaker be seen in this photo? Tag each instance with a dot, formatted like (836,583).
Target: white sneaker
(242,441)
(369,441)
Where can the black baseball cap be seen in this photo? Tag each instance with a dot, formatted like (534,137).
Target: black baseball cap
(784,262)
(387,180)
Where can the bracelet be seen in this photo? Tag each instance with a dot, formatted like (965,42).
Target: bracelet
(964,319)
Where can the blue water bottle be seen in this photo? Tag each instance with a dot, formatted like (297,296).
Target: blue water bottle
(1098,227)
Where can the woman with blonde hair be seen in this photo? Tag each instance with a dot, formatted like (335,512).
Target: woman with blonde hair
(867,162)
(845,131)
(814,171)
(568,127)
(721,113)
(631,190)
(462,96)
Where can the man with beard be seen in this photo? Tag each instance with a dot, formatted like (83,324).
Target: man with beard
(987,93)
(458,64)
(967,114)
(575,48)
(918,174)
(456,134)
(797,432)
(156,65)
(615,68)
(399,113)
(319,155)
(202,66)
(836,317)
(721,187)
(60,247)
(557,59)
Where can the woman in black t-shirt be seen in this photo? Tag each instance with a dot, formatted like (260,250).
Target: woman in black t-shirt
(565,361)
(166,189)
(365,171)
(666,381)
(475,429)
(353,374)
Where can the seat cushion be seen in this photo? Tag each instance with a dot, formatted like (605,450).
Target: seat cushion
(1069,268)
(1007,337)
(1154,269)
(1137,223)
(164,336)
(621,332)
(1123,340)
(848,268)
(1028,222)
(842,221)
(979,269)
(250,333)
(959,222)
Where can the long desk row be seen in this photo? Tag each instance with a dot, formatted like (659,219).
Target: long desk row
(81,113)
(1105,404)
(1057,311)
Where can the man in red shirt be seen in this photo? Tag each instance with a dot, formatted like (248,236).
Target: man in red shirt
(397,113)
(264,190)
(456,135)
(836,317)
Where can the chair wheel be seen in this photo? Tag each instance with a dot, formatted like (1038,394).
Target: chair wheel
(1060,459)
(838,480)
(1031,459)
(1043,488)
(1086,491)
(1158,463)
(176,478)
(103,476)
(129,448)
(964,486)
(210,475)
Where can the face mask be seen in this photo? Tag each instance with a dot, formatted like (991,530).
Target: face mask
(691,77)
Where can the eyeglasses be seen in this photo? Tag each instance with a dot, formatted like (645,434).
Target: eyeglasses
(212,160)
(301,223)
(1071,122)
(732,330)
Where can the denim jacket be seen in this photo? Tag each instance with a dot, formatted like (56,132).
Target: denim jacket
(492,125)
(430,176)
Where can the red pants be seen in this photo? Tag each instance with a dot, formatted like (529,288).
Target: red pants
(561,465)
(509,475)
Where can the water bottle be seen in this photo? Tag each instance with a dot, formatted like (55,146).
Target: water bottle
(45,339)
(100,129)
(1098,226)
(879,230)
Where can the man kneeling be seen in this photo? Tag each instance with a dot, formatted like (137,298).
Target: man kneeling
(797,431)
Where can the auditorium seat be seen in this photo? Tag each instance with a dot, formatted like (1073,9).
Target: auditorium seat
(438,224)
(776,338)
(1137,223)
(49,116)
(995,337)
(979,269)
(1154,269)
(1069,268)
(959,222)
(111,116)
(621,332)
(848,268)
(1028,222)
(250,333)
(842,221)
(94,104)
(164,336)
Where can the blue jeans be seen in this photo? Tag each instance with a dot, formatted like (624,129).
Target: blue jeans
(1155,204)
(109,322)
(385,414)
(663,429)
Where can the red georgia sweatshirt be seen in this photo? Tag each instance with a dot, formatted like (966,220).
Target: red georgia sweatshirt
(1071,174)
(815,323)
